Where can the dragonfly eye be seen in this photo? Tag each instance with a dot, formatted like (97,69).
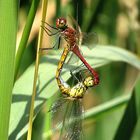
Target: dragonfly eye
(61,23)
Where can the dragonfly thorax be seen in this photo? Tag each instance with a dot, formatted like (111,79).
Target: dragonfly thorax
(70,36)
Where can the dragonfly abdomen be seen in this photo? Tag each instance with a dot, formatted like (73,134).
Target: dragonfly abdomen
(61,62)
(76,50)
(78,90)
(62,85)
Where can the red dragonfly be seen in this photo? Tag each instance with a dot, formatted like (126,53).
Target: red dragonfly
(72,37)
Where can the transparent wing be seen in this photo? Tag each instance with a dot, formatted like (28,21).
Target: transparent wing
(75,128)
(52,35)
(89,39)
(62,108)
(65,121)
(60,111)
(80,69)
(72,61)
(72,58)
(57,105)
(80,73)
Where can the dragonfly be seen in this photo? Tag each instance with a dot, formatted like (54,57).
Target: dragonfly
(72,38)
(72,97)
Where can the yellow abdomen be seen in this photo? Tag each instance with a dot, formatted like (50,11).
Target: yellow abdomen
(77,91)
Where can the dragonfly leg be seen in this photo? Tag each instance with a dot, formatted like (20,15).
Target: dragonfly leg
(73,75)
(44,49)
(77,69)
(49,32)
(49,25)
(57,42)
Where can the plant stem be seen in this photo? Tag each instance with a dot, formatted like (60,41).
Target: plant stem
(44,9)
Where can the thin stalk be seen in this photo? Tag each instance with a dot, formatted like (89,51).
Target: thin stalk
(44,9)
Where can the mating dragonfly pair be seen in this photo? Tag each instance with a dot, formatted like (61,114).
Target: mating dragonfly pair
(87,78)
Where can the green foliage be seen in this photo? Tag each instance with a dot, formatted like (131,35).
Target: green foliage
(131,116)
(23,87)
(8,30)
(117,96)
(25,35)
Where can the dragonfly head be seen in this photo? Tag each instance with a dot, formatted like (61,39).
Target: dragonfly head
(89,81)
(61,23)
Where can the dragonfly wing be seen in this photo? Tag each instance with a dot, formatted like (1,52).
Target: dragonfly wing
(72,59)
(65,120)
(81,69)
(61,108)
(56,42)
(78,30)
(89,39)
(71,129)
(57,105)
(52,36)
(75,128)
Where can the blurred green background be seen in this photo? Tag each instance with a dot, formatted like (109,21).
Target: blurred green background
(117,24)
